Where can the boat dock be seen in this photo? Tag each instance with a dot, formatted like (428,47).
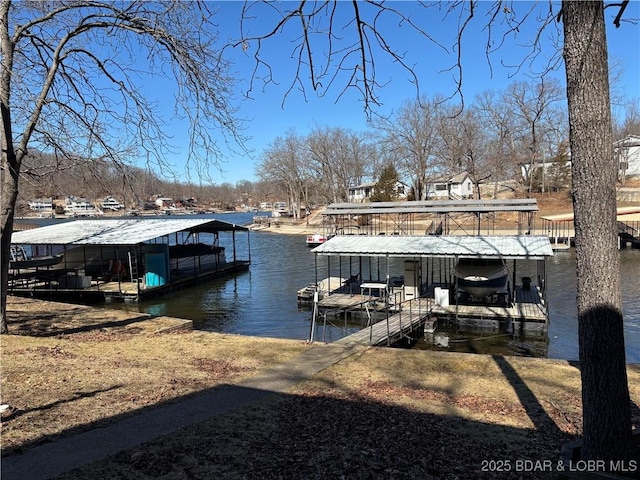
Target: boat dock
(414,275)
(525,316)
(121,259)
(561,231)
(124,291)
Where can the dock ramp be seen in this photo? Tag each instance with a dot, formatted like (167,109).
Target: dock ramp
(411,317)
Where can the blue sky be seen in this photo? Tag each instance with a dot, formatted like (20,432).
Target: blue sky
(268,118)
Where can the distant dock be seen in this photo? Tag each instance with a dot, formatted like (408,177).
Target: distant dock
(561,231)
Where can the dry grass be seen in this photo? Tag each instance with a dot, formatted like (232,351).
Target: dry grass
(73,381)
(381,413)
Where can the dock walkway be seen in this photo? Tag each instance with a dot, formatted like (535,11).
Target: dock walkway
(527,315)
(411,317)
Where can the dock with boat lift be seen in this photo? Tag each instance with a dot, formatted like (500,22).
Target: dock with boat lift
(520,309)
(526,315)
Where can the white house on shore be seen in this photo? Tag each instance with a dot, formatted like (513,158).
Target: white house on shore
(457,187)
(164,202)
(42,205)
(627,153)
(81,207)
(110,203)
(364,191)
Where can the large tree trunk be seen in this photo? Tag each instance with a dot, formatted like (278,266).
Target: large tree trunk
(8,197)
(605,392)
(9,163)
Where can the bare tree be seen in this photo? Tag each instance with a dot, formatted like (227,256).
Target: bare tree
(463,144)
(534,106)
(339,158)
(606,405)
(72,82)
(411,135)
(498,124)
(284,163)
(629,121)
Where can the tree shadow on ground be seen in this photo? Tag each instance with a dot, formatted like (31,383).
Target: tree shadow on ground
(536,412)
(239,432)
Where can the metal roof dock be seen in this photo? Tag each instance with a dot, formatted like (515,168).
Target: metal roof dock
(435,206)
(121,259)
(446,216)
(386,243)
(530,247)
(117,231)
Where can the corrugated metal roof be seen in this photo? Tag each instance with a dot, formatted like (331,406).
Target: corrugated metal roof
(434,206)
(521,246)
(621,212)
(116,231)
(371,210)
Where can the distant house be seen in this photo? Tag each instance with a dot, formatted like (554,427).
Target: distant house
(401,190)
(41,205)
(527,168)
(81,207)
(627,152)
(549,173)
(164,202)
(364,191)
(111,203)
(459,186)
(361,192)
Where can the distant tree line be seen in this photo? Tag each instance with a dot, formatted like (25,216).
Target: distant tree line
(45,175)
(424,140)
(428,138)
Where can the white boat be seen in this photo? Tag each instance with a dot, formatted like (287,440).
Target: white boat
(80,207)
(316,239)
(280,209)
(480,277)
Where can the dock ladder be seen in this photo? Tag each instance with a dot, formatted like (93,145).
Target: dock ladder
(133,266)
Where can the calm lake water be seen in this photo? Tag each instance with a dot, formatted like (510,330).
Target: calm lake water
(262,301)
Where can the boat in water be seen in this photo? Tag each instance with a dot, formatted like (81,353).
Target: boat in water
(316,240)
(481,277)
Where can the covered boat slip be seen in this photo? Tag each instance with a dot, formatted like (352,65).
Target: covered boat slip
(441,217)
(561,230)
(126,259)
(428,275)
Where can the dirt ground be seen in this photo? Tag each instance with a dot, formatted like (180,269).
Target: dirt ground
(381,413)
